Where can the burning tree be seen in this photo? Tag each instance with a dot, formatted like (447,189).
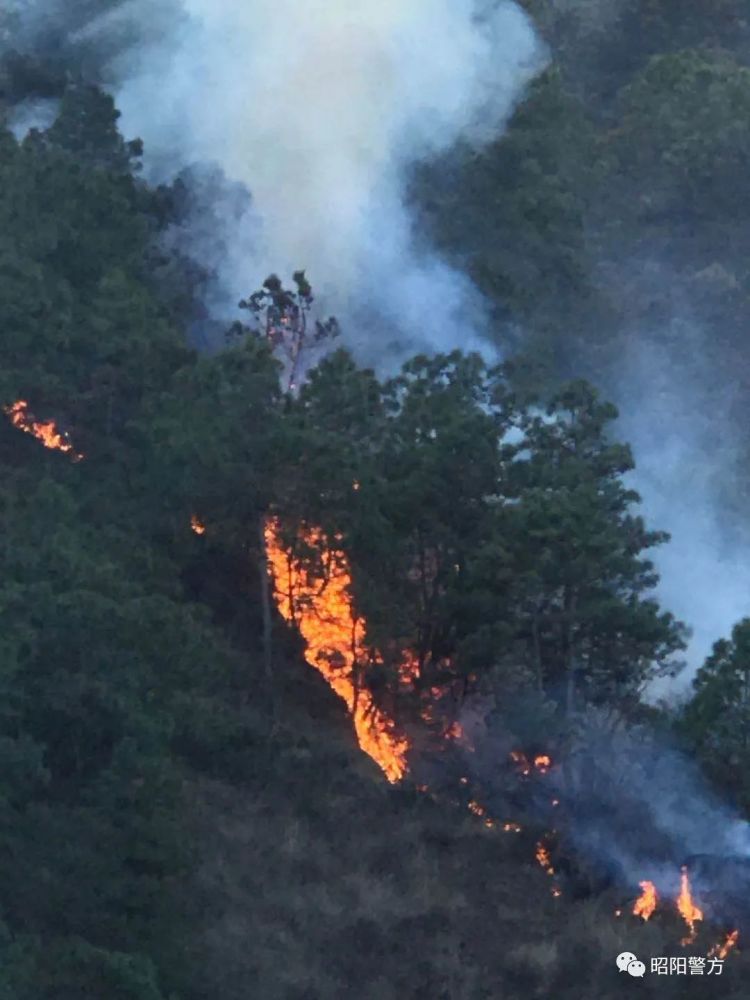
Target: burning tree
(282,317)
(485,564)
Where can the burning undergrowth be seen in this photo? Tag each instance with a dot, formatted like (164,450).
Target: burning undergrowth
(47,431)
(598,800)
(315,596)
(602,805)
(630,814)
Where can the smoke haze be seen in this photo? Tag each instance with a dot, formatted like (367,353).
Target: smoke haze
(320,109)
(681,427)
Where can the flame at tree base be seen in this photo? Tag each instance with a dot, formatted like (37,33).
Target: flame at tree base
(689,911)
(645,905)
(323,612)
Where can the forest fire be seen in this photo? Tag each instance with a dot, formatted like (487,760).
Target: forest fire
(44,431)
(646,903)
(541,762)
(325,616)
(722,950)
(543,857)
(479,810)
(689,911)
(319,602)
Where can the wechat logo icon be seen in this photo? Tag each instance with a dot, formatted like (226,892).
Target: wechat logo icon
(627,962)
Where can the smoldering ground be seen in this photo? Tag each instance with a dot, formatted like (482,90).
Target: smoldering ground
(625,803)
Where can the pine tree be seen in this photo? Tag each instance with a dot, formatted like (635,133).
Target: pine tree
(716,720)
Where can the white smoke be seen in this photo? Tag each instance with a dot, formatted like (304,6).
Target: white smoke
(681,430)
(320,108)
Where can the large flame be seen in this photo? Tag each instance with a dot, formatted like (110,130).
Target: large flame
(645,905)
(46,432)
(689,911)
(334,634)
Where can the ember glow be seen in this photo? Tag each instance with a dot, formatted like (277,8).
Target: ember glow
(479,810)
(691,914)
(198,527)
(541,763)
(325,615)
(542,856)
(645,905)
(46,432)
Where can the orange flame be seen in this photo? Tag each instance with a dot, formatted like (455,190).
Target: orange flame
(47,432)
(689,911)
(645,905)
(455,732)
(198,527)
(722,950)
(542,762)
(334,635)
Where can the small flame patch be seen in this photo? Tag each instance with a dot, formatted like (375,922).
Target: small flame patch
(44,431)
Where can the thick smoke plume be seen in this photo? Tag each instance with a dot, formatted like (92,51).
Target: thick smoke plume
(320,109)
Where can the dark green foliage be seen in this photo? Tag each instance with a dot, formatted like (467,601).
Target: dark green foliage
(580,545)
(515,212)
(109,695)
(681,141)
(174,821)
(486,536)
(716,721)
(86,126)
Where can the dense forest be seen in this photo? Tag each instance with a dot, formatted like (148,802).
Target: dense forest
(456,547)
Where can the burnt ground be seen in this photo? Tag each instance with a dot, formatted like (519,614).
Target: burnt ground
(319,881)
